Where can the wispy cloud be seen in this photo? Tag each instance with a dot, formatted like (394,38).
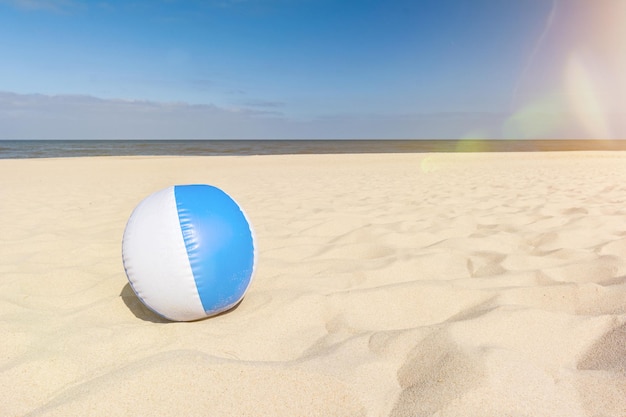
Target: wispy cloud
(37,116)
(264,103)
(75,116)
(45,5)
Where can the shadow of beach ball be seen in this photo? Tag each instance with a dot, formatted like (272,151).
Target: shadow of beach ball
(189,252)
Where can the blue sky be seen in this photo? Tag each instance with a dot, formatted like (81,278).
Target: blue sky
(290,69)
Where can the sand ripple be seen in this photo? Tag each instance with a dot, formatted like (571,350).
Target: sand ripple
(488,284)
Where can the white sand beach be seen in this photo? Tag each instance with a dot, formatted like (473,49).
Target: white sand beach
(479,284)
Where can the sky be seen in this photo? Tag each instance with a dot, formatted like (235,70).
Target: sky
(305,69)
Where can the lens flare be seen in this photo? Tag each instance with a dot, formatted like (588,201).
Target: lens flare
(429,164)
(475,144)
(536,49)
(574,82)
(537,120)
(586,103)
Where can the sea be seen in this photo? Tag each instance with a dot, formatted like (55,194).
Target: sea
(19,149)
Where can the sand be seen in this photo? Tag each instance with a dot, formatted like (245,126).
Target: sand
(402,285)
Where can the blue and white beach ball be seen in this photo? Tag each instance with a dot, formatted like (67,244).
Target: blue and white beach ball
(189,252)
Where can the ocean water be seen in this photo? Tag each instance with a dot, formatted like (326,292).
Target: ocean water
(18,149)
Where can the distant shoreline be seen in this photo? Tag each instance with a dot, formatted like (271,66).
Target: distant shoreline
(20,149)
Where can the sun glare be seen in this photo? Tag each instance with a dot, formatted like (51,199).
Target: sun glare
(575,81)
(585,101)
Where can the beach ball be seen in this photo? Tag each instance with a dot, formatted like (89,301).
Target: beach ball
(189,252)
